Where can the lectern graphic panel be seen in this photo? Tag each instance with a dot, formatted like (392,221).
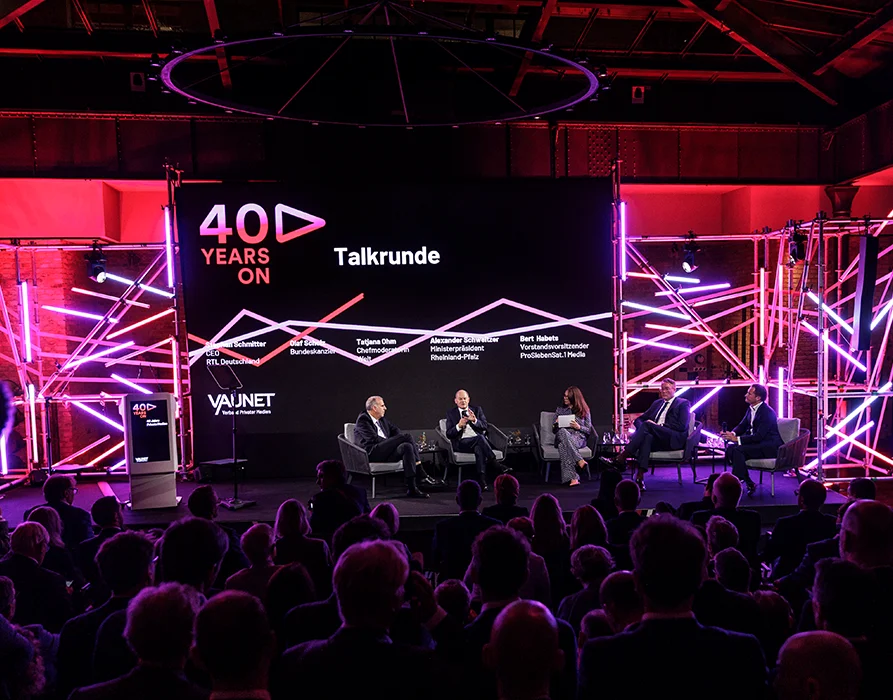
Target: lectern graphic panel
(150,447)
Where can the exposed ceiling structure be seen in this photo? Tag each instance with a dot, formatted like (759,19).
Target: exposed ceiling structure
(719,61)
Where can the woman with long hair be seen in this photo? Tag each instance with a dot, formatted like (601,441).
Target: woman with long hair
(293,545)
(588,527)
(572,438)
(58,559)
(551,542)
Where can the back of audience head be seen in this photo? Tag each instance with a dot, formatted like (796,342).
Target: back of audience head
(468,495)
(30,540)
(708,486)
(776,622)
(726,491)
(627,495)
(812,495)
(51,522)
(160,624)
(721,534)
(234,642)
(862,489)
(257,544)
(548,522)
(843,597)
(866,534)
(590,564)
(732,570)
(125,562)
(662,507)
(292,519)
(203,502)
(818,666)
(368,581)
(670,562)
(331,473)
(288,588)
(106,512)
(499,563)
(389,515)
(59,487)
(360,528)
(524,651)
(594,624)
(506,490)
(588,527)
(7,598)
(454,598)
(191,552)
(524,526)
(621,600)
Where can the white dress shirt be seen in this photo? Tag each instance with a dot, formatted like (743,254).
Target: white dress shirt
(468,432)
(665,409)
(378,428)
(753,415)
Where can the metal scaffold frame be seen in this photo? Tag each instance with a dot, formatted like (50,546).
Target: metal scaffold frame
(850,389)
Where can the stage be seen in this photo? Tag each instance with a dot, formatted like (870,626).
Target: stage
(415,514)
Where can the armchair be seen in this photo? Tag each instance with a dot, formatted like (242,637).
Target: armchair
(356,460)
(498,440)
(791,455)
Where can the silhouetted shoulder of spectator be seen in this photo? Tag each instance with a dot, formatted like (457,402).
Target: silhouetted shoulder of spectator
(503,512)
(717,606)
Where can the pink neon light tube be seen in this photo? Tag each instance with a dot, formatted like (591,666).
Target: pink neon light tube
(132,385)
(655,310)
(32,403)
(883,312)
(762,309)
(102,353)
(623,241)
(841,444)
(97,414)
(674,329)
(4,466)
(656,344)
(830,343)
(861,407)
(105,454)
(80,314)
(26,322)
(124,280)
(139,323)
(686,280)
(780,407)
(689,290)
(110,297)
(828,310)
(169,246)
(704,399)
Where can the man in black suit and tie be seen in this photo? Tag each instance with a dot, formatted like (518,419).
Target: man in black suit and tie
(670,562)
(59,492)
(755,437)
(384,442)
(664,426)
(466,428)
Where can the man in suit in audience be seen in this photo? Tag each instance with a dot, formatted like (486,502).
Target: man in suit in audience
(159,631)
(670,564)
(59,491)
(790,535)
(109,518)
(621,601)
(755,437)
(664,426)
(499,568)
(689,508)
(204,503)
(466,428)
(726,495)
(621,528)
(506,489)
(721,602)
(41,595)
(817,666)
(124,563)
(384,442)
(337,501)
(453,537)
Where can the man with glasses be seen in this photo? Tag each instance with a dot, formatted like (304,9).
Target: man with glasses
(77,525)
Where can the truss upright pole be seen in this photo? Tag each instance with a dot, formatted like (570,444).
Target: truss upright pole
(619,264)
(821,359)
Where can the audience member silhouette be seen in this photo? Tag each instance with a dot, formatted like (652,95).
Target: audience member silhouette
(453,537)
(776,623)
(817,665)
(453,596)
(294,545)
(621,528)
(621,600)
(506,490)
(721,534)
(204,503)
(594,624)
(588,527)
(58,559)
(289,588)
(21,662)
(552,543)
(257,545)
(726,495)
(109,518)
(590,565)
(790,535)
(723,601)
(336,502)
(689,508)
(59,492)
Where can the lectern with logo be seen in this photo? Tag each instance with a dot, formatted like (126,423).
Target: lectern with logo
(150,443)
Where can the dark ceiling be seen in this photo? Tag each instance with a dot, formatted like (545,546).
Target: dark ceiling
(701,61)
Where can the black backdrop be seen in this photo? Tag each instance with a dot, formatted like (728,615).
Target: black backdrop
(544,244)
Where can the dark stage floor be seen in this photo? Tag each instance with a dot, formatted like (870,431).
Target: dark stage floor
(415,514)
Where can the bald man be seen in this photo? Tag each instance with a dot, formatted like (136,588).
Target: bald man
(866,534)
(818,666)
(467,431)
(523,651)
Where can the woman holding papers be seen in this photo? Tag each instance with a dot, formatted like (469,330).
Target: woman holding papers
(572,427)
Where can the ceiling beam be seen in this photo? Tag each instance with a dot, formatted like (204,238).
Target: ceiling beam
(773,47)
(548,8)
(863,33)
(214,25)
(11,10)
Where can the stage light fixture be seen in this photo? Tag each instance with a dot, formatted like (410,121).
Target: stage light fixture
(796,244)
(96,264)
(688,257)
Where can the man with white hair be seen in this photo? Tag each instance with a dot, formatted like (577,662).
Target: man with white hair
(41,595)
(866,534)
(159,630)
(817,666)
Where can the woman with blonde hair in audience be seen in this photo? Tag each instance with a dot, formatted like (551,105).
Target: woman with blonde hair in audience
(588,527)
(293,545)
(551,542)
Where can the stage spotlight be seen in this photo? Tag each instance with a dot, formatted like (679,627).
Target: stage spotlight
(689,250)
(96,264)
(796,244)
(155,61)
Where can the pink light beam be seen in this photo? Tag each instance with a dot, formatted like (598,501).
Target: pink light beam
(828,310)
(688,290)
(97,414)
(831,344)
(883,312)
(781,392)
(26,322)
(139,285)
(704,399)
(109,297)
(102,353)
(80,314)
(685,280)
(169,246)
(674,329)
(656,344)
(132,385)
(623,241)
(656,310)
(841,444)
(105,454)
(138,324)
(32,403)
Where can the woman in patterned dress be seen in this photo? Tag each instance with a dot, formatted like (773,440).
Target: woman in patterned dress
(571,439)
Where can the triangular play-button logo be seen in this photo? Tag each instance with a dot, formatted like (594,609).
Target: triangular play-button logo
(314,223)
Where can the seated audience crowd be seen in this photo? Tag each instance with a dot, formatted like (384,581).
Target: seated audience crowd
(504,606)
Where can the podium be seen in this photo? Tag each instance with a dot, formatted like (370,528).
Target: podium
(150,445)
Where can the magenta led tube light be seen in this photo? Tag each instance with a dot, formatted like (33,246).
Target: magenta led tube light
(686,280)
(883,312)
(26,322)
(709,434)
(761,375)
(102,353)
(862,406)
(656,344)
(687,290)
(681,391)
(704,399)
(32,402)
(780,406)
(828,310)
(81,314)
(4,466)
(94,412)
(169,246)
(118,465)
(830,343)
(110,297)
(674,329)
(842,443)
(762,309)
(132,385)
(124,280)
(122,331)
(655,310)
(105,454)
(623,241)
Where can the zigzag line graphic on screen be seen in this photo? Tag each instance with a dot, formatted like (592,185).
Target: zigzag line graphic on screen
(423,334)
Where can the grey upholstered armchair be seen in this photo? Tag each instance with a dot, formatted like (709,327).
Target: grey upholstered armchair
(356,461)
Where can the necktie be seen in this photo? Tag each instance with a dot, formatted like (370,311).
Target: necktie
(660,414)
(378,428)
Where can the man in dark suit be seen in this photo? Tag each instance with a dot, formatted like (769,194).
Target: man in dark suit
(41,595)
(670,564)
(337,501)
(621,528)
(724,602)
(107,515)
(159,631)
(726,495)
(792,534)
(384,442)
(453,537)
(664,426)
(124,563)
(59,491)
(466,428)
(819,665)
(689,508)
(755,437)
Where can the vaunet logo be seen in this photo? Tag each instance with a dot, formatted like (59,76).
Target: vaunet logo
(141,410)
(252,224)
(258,404)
